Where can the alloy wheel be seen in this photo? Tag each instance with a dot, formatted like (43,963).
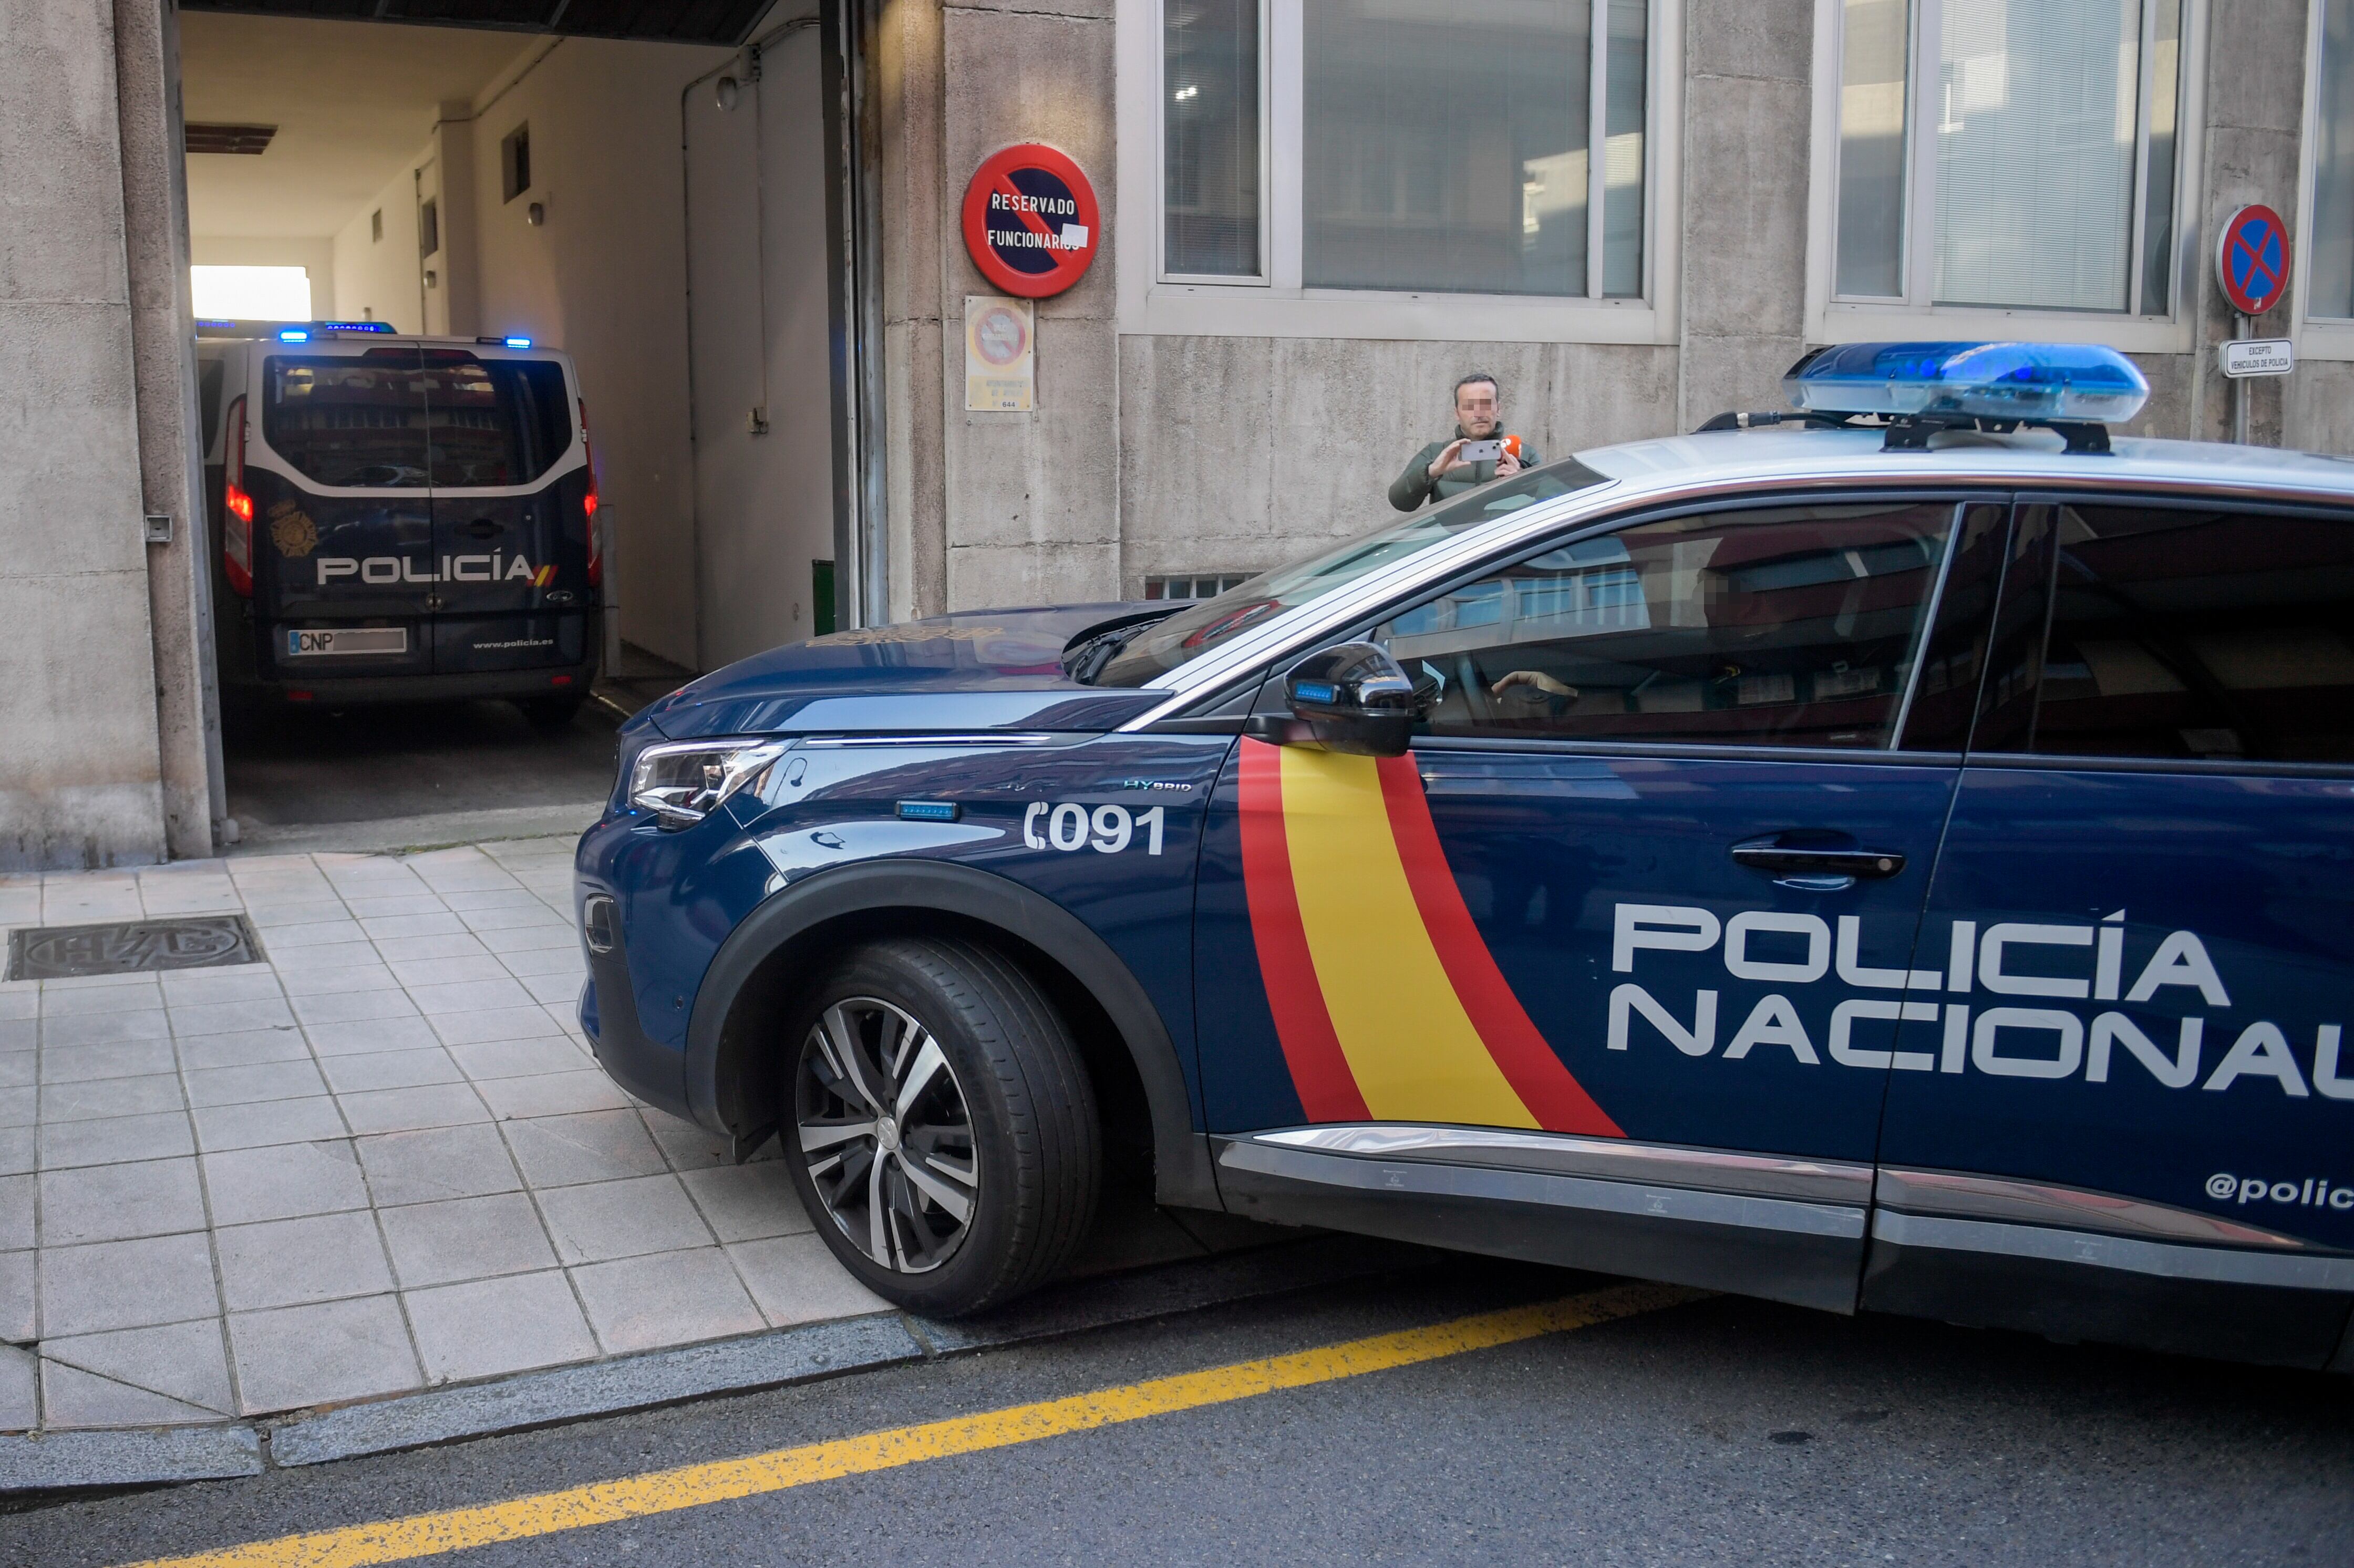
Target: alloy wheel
(886,1134)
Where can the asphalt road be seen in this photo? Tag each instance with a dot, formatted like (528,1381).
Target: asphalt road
(1721,1431)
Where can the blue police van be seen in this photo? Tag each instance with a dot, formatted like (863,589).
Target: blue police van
(397,519)
(1898,860)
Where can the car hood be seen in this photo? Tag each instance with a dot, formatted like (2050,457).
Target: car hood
(975,671)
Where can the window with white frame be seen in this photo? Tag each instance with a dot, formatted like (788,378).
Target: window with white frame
(1491,147)
(2329,290)
(2007,154)
(1212,139)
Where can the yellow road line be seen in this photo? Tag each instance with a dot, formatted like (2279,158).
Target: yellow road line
(692,1486)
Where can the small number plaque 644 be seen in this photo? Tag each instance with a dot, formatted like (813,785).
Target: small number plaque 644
(1108,830)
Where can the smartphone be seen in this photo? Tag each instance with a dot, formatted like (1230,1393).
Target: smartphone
(1481,452)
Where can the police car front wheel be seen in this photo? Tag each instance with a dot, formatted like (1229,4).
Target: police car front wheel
(942,1130)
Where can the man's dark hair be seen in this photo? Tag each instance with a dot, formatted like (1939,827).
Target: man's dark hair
(1476,376)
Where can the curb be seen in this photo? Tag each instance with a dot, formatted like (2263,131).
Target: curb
(75,1461)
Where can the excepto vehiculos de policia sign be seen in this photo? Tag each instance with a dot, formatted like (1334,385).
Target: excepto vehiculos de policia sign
(1030,220)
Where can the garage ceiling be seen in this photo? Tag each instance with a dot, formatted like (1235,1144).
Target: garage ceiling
(726,22)
(353,106)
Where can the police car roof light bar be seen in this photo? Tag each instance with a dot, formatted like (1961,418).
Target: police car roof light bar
(2074,389)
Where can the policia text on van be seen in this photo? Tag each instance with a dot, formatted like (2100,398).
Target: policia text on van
(399,519)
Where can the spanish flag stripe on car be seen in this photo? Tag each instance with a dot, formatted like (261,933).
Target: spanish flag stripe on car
(1318,1070)
(1386,1000)
(1557,1101)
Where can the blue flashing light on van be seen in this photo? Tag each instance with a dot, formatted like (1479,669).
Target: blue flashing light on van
(1878,875)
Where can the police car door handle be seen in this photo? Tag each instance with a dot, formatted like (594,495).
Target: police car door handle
(1771,854)
(482,528)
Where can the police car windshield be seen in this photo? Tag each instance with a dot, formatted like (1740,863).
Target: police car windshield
(1190,633)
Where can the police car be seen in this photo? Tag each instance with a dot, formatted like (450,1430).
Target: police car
(1900,861)
(397,519)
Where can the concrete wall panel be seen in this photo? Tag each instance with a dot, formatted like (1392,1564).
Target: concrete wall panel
(79,781)
(1743,38)
(2168,412)
(2320,405)
(1047,483)
(80,777)
(1238,455)
(68,440)
(1197,438)
(1745,242)
(988,576)
(59,152)
(1051,477)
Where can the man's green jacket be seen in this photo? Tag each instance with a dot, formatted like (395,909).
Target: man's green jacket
(1414,486)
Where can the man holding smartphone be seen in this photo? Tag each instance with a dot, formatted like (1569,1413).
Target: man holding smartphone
(1480,450)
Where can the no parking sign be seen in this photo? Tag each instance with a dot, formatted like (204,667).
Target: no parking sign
(2252,260)
(1030,221)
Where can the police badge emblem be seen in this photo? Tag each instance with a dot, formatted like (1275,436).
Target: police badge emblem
(292,530)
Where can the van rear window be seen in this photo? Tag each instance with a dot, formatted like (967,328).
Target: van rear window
(348,422)
(500,422)
(394,418)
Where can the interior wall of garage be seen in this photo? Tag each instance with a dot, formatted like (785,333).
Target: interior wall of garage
(604,278)
(758,263)
(381,278)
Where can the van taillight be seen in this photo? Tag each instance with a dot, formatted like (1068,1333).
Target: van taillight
(237,527)
(589,504)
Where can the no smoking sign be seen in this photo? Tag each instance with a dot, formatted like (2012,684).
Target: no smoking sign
(1030,221)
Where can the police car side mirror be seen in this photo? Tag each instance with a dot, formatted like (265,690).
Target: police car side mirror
(1353,699)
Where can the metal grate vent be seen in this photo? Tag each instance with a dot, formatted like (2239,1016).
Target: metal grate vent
(69,952)
(252,140)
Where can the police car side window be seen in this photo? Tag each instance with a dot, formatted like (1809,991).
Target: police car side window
(1782,626)
(2194,633)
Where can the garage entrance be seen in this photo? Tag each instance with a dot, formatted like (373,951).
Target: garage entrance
(659,192)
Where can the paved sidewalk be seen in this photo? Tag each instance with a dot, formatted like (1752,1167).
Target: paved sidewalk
(380,1161)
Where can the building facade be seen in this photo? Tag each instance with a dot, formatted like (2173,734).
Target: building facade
(1318,215)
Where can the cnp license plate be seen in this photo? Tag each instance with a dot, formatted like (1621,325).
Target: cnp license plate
(304,641)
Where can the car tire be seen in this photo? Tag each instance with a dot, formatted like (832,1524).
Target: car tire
(998,1121)
(551,713)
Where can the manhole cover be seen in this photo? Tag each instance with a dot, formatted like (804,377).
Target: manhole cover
(64,952)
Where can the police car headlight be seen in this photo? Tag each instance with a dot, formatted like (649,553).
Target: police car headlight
(684,781)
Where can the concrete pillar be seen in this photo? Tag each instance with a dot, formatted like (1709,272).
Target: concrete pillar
(1033,500)
(459,309)
(993,508)
(908,88)
(80,778)
(171,455)
(1748,114)
(2255,106)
